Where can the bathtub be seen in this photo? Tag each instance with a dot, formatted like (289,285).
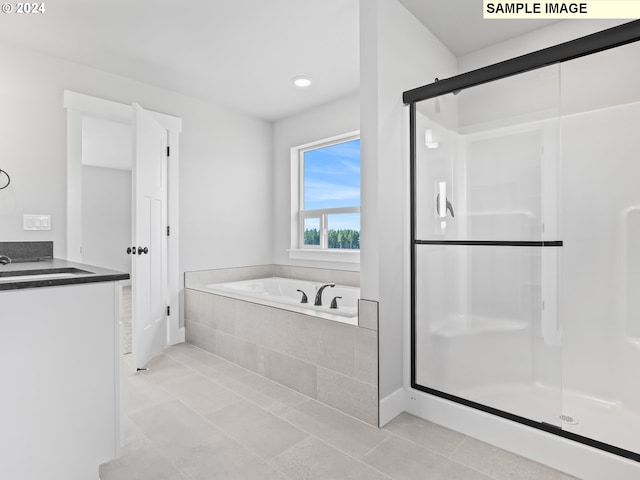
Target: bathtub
(282,293)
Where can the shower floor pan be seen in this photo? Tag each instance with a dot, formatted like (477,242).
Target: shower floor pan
(602,420)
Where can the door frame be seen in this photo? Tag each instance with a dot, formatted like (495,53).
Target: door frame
(77,105)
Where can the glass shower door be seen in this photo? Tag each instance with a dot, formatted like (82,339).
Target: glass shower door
(486,246)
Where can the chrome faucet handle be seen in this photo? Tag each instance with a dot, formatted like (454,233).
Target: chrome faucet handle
(334,302)
(304,297)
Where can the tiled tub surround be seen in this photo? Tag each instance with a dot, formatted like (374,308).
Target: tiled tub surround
(200,278)
(332,362)
(287,293)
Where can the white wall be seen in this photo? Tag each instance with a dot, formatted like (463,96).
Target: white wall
(106,143)
(225,160)
(106,217)
(538,39)
(397,53)
(325,121)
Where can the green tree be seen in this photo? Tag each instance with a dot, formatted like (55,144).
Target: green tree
(312,237)
(346,239)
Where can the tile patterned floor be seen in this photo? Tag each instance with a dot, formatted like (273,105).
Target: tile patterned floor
(194,416)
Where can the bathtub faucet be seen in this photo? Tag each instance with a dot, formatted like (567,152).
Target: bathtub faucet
(4,260)
(318,301)
(304,296)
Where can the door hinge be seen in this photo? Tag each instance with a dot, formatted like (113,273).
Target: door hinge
(168,151)
(168,311)
(168,230)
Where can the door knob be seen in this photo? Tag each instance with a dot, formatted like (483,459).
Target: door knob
(144,250)
(131,250)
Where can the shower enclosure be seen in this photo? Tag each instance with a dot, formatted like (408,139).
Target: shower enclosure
(525,231)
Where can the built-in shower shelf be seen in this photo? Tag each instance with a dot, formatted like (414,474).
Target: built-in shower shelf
(458,326)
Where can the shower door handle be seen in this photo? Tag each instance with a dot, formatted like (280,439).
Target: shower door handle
(449,207)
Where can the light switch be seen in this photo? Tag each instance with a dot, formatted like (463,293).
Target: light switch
(36,222)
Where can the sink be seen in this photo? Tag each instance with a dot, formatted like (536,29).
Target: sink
(41,274)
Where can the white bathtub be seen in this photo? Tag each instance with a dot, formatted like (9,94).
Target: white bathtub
(282,293)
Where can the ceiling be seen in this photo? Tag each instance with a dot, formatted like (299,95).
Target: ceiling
(460,26)
(240,53)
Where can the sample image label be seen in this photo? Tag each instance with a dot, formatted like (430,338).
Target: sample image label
(604,9)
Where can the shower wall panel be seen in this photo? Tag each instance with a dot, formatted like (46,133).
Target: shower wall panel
(601,197)
(600,268)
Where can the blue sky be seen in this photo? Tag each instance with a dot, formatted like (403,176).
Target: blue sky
(332,179)
(332,176)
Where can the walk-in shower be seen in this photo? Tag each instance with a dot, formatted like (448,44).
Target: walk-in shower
(525,239)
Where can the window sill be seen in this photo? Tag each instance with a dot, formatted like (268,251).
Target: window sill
(346,256)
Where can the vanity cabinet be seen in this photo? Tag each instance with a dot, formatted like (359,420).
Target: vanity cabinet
(60,369)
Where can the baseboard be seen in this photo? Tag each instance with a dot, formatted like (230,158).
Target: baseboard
(571,457)
(391,406)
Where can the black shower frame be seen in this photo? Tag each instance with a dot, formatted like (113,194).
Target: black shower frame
(580,47)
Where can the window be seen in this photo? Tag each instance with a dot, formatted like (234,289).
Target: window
(326,197)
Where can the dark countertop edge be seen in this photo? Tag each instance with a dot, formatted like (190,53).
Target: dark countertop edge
(63,281)
(98,274)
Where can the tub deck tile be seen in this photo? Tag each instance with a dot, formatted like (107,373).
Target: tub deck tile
(291,372)
(368,314)
(200,336)
(333,362)
(264,326)
(237,350)
(218,312)
(325,343)
(366,356)
(348,395)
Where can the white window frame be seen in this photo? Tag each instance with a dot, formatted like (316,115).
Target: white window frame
(298,249)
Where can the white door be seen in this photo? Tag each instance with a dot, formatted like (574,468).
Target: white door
(149,269)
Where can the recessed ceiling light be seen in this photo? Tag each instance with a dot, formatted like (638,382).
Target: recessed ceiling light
(302,82)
